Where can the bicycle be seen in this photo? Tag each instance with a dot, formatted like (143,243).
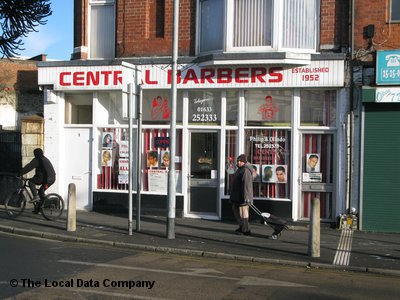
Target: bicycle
(52,204)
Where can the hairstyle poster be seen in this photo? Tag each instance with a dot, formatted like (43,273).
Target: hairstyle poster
(152,159)
(256,173)
(280,173)
(268,173)
(107,139)
(106,158)
(165,159)
(312,163)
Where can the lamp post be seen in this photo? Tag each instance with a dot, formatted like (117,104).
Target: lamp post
(172,133)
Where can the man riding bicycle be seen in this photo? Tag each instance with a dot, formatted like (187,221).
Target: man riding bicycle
(45,176)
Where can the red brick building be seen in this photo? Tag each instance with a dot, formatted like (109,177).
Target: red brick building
(266,78)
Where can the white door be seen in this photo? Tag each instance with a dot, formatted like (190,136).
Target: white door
(78,151)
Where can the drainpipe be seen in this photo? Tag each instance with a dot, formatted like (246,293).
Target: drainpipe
(349,199)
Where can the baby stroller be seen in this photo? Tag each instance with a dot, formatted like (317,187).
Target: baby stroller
(277,224)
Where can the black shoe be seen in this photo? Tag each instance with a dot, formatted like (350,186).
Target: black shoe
(36,210)
(247,233)
(238,230)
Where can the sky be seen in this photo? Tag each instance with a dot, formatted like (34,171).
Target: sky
(56,37)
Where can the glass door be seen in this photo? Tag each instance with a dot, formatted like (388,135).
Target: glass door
(317,170)
(203,173)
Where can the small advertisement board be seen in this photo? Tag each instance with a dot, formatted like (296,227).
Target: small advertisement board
(388,67)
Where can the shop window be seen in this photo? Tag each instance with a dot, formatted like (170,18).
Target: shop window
(232,107)
(205,107)
(156,107)
(268,108)
(111,108)
(156,160)
(268,150)
(78,108)
(113,158)
(318,108)
(395,11)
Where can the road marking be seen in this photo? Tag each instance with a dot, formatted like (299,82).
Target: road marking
(246,280)
(116,294)
(342,256)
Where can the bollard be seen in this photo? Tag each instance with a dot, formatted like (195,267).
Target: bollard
(314,232)
(71,214)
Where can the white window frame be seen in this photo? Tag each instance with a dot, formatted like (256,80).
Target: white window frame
(276,43)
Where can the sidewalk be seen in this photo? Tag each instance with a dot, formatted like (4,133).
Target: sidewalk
(370,252)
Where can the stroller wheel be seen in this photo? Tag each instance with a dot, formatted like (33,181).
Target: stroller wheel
(275,235)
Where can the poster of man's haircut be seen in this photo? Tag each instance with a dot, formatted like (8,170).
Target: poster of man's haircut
(313,163)
(280,173)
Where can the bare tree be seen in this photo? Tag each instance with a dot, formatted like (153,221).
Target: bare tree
(17,19)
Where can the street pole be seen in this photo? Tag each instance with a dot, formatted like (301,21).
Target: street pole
(139,160)
(172,133)
(130,111)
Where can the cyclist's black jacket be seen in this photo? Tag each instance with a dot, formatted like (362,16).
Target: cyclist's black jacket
(44,172)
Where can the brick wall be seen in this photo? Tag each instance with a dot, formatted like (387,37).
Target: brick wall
(80,32)
(376,12)
(334,24)
(19,91)
(139,27)
(143,31)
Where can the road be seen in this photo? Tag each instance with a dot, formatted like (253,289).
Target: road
(42,269)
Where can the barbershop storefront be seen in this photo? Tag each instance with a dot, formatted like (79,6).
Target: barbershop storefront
(288,120)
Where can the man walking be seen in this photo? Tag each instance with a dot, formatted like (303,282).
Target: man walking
(242,194)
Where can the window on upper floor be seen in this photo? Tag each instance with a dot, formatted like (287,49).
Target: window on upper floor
(395,11)
(102,29)
(258,25)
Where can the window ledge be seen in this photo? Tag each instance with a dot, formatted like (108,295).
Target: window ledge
(281,58)
(254,58)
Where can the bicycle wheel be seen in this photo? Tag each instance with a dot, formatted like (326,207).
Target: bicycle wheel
(15,204)
(52,207)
